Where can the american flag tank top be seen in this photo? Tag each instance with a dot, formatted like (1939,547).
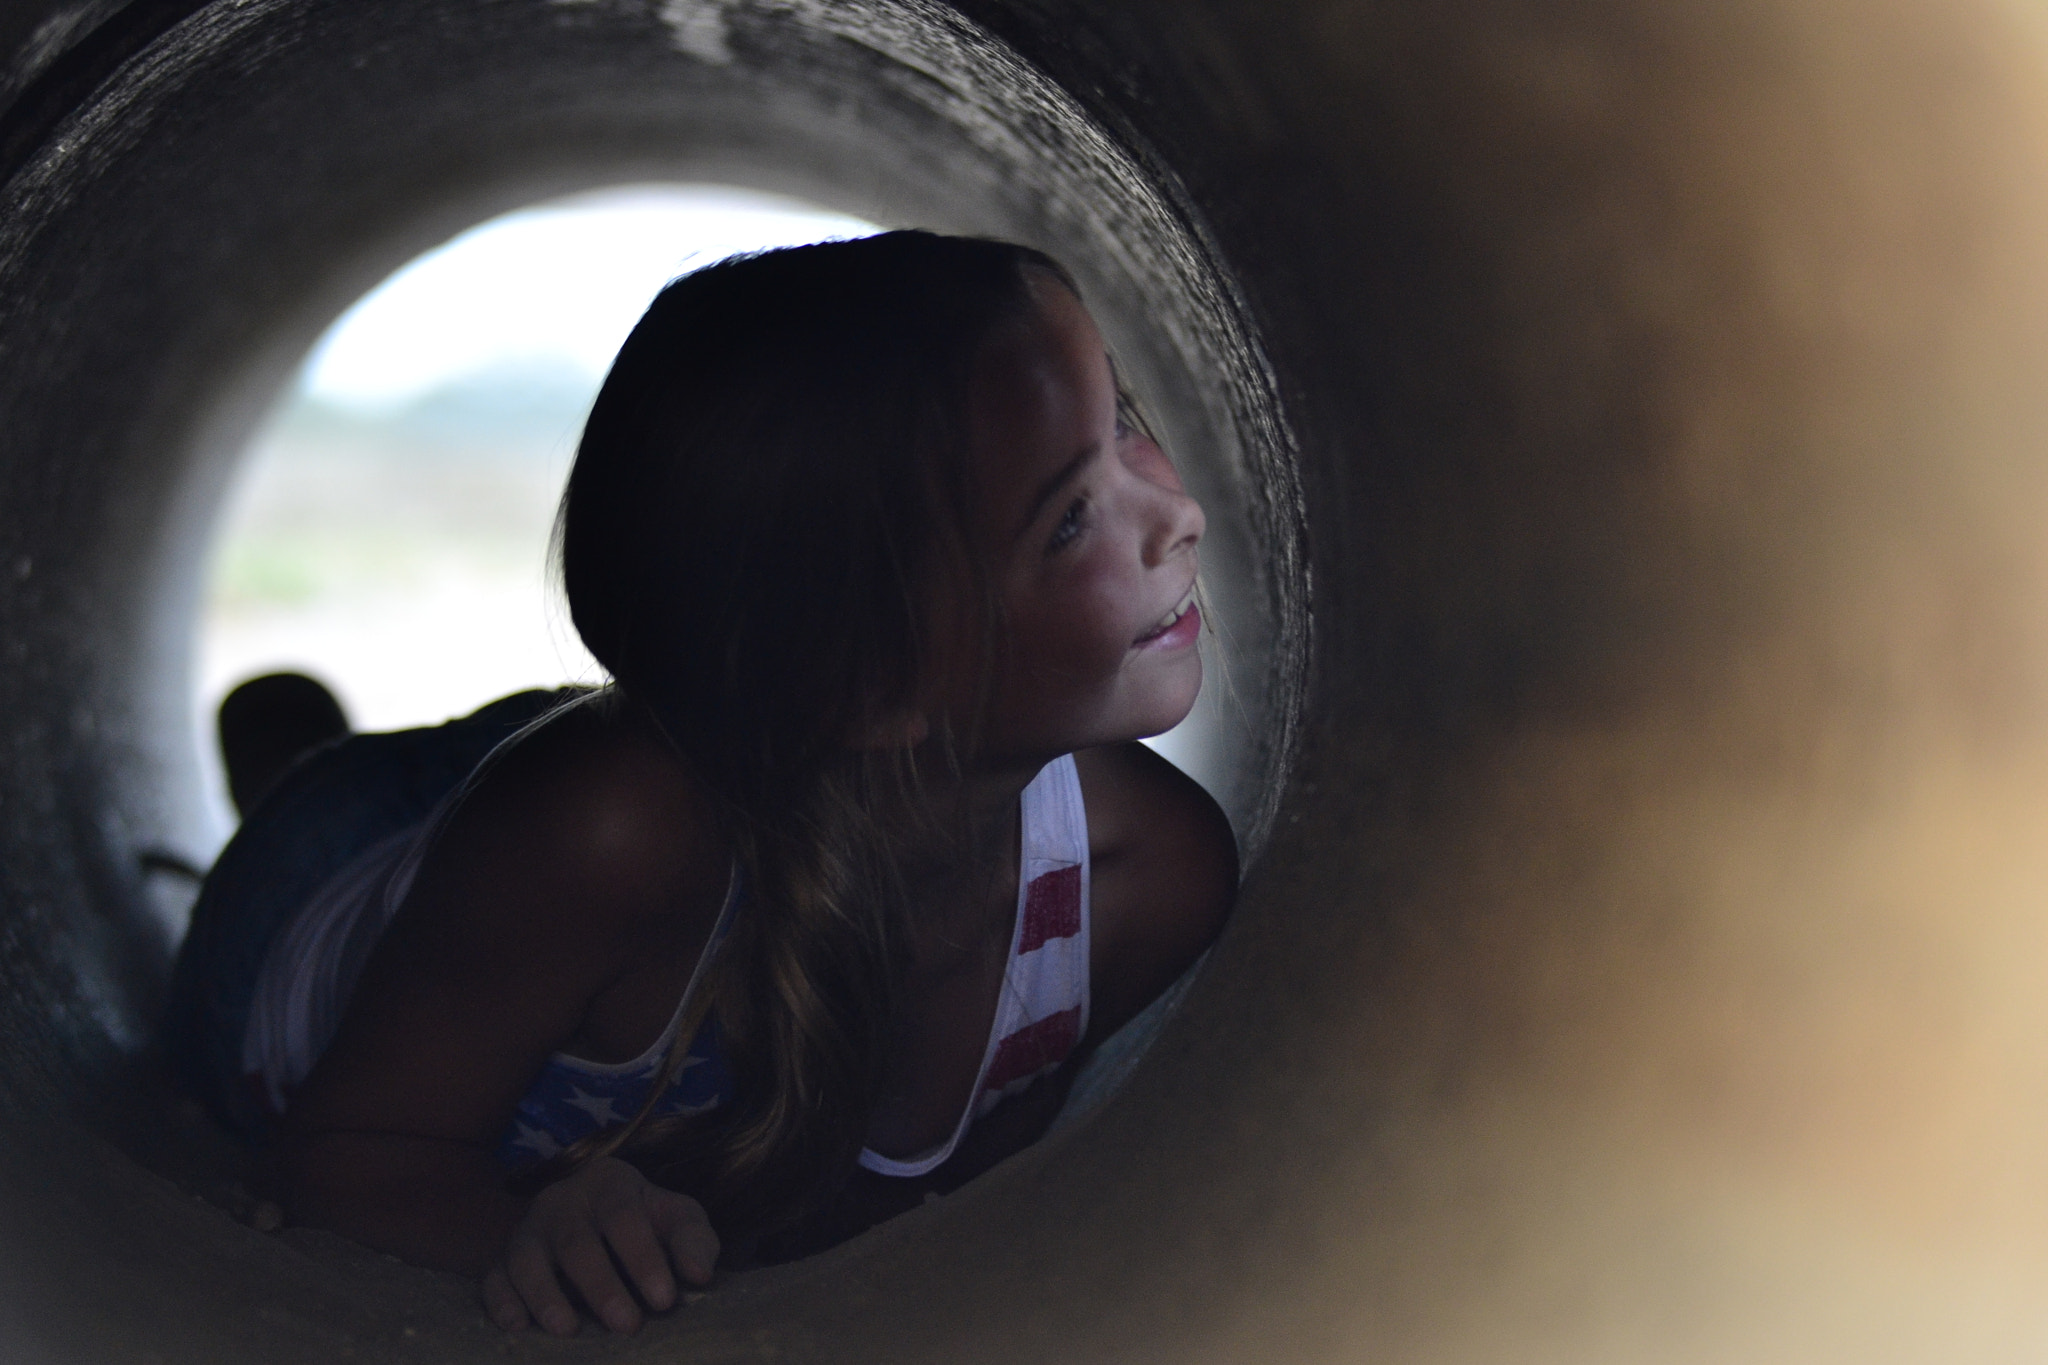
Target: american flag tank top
(1042,1013)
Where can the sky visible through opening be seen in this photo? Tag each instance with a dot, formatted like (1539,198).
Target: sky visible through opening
(388,530)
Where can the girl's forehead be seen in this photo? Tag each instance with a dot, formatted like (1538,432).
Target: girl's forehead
(1043,394)
(1049,340)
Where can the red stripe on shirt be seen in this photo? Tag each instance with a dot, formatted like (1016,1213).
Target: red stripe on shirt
(1052,908)
(1033,1048)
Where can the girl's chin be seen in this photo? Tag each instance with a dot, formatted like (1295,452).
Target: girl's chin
(1172,713)
(1148,708)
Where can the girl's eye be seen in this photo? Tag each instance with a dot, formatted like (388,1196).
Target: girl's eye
(1127,424)
(1070,525)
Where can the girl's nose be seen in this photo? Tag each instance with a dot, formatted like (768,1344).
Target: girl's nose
(1176,525)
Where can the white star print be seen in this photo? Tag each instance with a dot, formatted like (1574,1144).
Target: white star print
(597,1106)
(536,1140)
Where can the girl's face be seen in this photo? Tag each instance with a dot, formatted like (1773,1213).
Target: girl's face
(1092,544)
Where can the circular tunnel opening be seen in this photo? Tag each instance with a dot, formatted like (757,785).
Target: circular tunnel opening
(277,213)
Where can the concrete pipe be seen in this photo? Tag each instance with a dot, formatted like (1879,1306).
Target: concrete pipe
(1625,426)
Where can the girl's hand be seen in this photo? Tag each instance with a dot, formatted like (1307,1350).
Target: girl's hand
(583,1229)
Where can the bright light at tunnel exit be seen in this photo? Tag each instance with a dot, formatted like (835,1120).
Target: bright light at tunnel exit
(388,529)
(562,283)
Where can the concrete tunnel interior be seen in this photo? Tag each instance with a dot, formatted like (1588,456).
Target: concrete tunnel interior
(1625,429)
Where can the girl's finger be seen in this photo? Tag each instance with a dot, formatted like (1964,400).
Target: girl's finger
(589,1267)
(532,1274)
(502,1302)
(630,1232)
(686,1228)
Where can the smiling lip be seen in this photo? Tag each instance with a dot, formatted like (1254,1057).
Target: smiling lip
(1178,627)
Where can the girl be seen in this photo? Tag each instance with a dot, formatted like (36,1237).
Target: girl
(813,909)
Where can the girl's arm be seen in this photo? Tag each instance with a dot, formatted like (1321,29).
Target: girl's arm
(1163,877)
(564,904)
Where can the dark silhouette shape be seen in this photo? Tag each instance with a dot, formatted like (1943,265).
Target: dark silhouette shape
(269,723)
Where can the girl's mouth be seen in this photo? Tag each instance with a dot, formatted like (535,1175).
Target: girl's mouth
(1178,627)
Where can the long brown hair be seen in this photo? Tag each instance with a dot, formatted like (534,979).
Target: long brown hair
(770,485)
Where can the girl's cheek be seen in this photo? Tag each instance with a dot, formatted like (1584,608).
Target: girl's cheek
(1087,611)
(1103,602)
(1080,632)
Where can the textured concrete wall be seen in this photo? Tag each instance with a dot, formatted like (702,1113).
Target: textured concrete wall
(1642,403)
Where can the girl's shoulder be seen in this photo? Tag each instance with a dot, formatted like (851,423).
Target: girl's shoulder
(1163,876)
(593,805)
(560,905)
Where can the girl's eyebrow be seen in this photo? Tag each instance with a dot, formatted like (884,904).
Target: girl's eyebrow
(1060,479)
